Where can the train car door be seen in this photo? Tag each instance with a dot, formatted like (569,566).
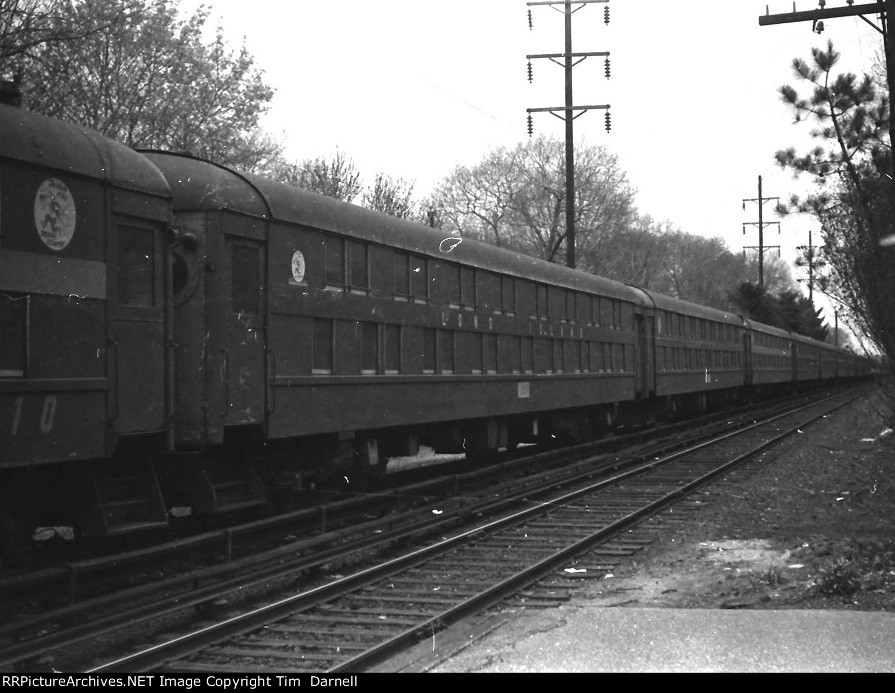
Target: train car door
(136,348)
(747,357)
(243,346)
(645,382)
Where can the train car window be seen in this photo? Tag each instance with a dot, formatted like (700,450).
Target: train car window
(491,353)
(515,354)
(594,311)
(543,355)
(530,298)
(419,278)
(556,300)
(478,351)
(334,260)
(508,295)
(402,275)
(467,288)
(358,267)
(584,309)
(556,349)
(617,314)
(429,337)
(492,300)
(369,339)
(566,348)
(576,356)
(245,285)
(606,312)
(585,357)
(543,305)
(136,266)
(618,357)
(392,349)
(528,354)
(322,347)
(447,351)
(453,277)
(13,330)
(569,309)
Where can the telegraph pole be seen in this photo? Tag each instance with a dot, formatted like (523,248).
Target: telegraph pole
(569,111)
(761,247)
(811,264)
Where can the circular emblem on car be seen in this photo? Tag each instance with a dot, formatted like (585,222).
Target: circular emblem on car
(298,266)
(54,214)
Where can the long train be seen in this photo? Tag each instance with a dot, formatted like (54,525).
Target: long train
(173,332)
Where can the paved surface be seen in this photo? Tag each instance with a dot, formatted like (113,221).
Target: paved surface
(601,639)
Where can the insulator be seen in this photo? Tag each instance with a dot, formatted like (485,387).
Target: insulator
(605,14)
(608,122)
(531,126)
(530,25)
(530,74)
(607,68)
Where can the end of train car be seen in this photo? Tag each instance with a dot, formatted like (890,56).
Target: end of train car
(83,311)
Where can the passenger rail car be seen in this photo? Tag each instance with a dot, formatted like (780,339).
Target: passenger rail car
(83,306)
(345,331)
(176,332)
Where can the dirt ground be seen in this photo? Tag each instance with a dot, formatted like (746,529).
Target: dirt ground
(813,527)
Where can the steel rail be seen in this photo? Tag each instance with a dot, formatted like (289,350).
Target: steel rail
(161,654)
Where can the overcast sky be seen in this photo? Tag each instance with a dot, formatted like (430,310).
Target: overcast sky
(413,88)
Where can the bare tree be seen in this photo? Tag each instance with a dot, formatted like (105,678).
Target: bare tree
(479,201)
(516,198)
(390,196)
(337,177)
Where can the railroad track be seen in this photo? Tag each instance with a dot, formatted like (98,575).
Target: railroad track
(350,623)
(74,597)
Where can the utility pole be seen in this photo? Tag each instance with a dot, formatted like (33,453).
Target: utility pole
(569,111)
(836,328)
(812,263)
(761,247)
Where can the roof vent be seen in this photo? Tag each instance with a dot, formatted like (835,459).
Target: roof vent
(10,94)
